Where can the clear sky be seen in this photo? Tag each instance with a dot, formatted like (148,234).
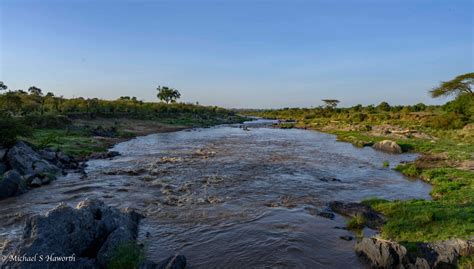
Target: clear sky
(255,54)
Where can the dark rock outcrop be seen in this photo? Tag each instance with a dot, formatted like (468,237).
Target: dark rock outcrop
(12,184)
(380,253)
(104,155)
(388,146)
(25,160)
(37,168)
(88,234)
(372,218)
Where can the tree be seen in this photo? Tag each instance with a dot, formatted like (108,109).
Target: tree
(384,106)
(35,91)
(331,103)
(3,87)
(460,85)
(168,95)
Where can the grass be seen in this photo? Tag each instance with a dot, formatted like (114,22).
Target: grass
(450,213)
(75,143)
(127,256)
(466,262)
(356,223)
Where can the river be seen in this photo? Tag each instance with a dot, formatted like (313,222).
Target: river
(226,197)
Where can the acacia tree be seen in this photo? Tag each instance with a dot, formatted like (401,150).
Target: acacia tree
(331,103)
(35,91)
(460,85)
(3,87)
(168,95)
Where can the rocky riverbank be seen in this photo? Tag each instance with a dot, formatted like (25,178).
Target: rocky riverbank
(23,168)
(87,236)
(377,252)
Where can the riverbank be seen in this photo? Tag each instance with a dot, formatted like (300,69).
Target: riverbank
(86,137)
(446,162)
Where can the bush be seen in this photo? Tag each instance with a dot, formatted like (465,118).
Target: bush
(447,121)
(47,121)
(356,223)
(10,129)
(127,256)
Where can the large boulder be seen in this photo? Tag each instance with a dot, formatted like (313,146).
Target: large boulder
(12,184)
(3,168)
(388,146)
(87,235)
(372,218)
(380,253)
(25,160)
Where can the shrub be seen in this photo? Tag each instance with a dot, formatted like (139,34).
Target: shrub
(127,256)
(10,129)
(356,223)
(47,121)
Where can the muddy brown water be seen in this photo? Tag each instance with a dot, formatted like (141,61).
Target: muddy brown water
(229,198)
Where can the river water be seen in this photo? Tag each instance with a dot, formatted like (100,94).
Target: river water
(230,198)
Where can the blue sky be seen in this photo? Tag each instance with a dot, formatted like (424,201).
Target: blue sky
(257,54)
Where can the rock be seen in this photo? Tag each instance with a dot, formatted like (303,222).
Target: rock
(12,184)
(104,131)
(104,155)
(3,168)
(36,182)
(3,152)
(173,262)
(48,155)
(327,215)
(89,233)
(372,219)
(448,252)
(388,146)
(26,161)
(380,253)
(346,237)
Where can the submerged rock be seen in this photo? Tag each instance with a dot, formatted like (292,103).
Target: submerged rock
(380,253)
(327,215)
(88,234)
(388,146)
(372,218)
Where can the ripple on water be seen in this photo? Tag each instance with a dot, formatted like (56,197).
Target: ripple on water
(230,198)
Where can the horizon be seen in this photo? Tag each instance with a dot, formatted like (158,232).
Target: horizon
(263,55)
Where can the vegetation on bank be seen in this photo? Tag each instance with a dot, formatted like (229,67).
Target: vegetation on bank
(47,120)
(445,136)
(127,256)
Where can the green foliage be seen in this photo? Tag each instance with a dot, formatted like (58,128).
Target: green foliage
(356,223)
(466,262)
(127,256)
(446,121)
(75,143)
(168,95)
(409,169)
(450,214)
(386,164)
(463,105)
(11,129)
(384,106)
(459,85)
